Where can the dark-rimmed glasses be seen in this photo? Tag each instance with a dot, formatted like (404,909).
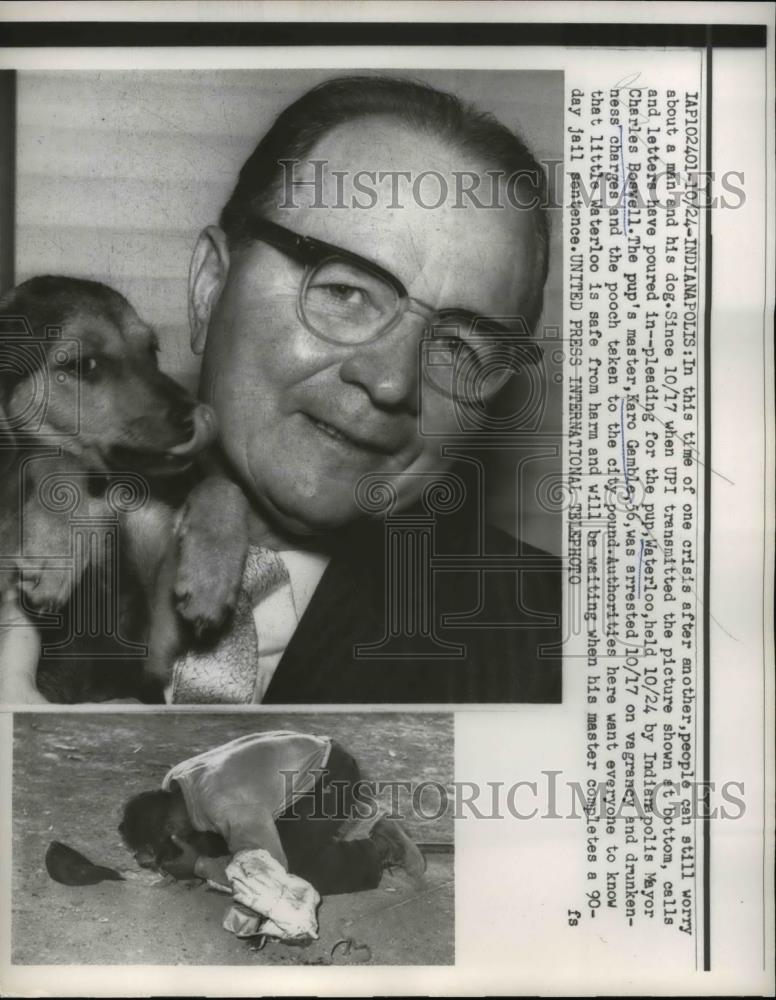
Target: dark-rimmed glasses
(346,299)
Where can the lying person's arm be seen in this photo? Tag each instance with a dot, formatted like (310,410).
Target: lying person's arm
(247,827)
(190,864)
(213,869)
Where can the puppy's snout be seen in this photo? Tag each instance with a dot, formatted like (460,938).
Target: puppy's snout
(181,418)
(200,424)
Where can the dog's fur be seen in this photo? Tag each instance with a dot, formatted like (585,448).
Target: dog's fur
(86,417)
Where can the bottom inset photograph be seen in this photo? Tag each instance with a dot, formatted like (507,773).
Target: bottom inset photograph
(204,838)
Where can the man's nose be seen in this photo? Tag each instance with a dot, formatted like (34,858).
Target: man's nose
(387,368)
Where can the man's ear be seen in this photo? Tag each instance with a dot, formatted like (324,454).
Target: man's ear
(207,276)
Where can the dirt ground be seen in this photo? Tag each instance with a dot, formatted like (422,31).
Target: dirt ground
(72,773)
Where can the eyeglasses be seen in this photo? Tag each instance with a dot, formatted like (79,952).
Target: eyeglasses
(345,298)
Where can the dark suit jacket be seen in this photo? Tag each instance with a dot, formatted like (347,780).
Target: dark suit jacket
(376,634)
(507,650)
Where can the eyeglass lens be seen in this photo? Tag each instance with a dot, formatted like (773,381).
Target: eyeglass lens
(347,304)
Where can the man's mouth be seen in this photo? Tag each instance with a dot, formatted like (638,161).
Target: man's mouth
(332,431)
(362,444)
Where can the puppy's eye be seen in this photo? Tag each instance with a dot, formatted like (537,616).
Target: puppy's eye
(80,367)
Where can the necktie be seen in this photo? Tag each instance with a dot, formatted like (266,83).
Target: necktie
(226,673)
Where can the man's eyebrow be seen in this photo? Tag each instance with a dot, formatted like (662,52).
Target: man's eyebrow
(458,310)
(474,315)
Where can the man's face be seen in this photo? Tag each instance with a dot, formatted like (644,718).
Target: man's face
(303,420)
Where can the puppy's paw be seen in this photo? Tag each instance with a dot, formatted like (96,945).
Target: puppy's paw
(208,577)
(212,544)
(46,588)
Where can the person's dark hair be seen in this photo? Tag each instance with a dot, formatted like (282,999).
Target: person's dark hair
(345,99)
(145,823)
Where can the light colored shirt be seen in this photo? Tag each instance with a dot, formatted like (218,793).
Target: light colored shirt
(239,789)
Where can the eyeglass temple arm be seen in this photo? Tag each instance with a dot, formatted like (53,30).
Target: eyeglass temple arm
(309,249)
(279,237)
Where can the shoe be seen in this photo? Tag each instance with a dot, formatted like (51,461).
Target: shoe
(396,850)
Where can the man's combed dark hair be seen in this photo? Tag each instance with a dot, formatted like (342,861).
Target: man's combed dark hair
(300,126)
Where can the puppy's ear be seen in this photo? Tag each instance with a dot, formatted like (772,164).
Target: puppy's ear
(9,369)
(207,277)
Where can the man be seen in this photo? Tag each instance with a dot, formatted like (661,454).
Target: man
(353,347)
(290,794)
(349,346)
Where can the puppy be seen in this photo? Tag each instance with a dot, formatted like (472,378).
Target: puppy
(103,512)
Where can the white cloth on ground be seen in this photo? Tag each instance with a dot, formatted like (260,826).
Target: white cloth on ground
(270,901)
